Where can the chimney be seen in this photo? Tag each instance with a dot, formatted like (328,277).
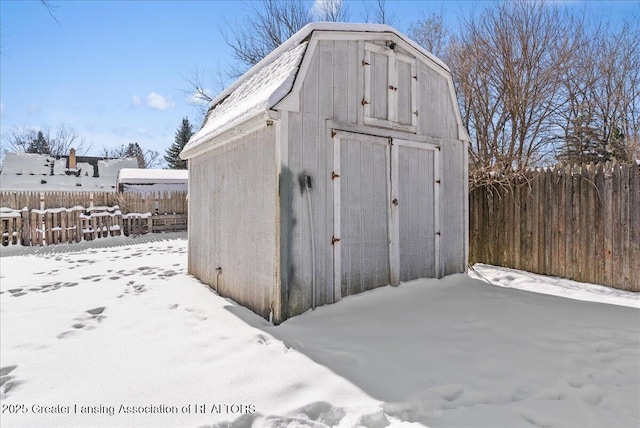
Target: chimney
(72,159)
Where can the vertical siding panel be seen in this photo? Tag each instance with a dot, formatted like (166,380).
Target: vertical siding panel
(343,81)
(296,251)
(452,207)
(309,167)
(354,75)
(361,82)
(325,79)
(323,237)
(309,93)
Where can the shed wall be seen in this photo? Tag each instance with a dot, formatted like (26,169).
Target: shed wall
(232,219)
(453,208)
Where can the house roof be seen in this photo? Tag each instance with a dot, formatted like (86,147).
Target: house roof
(140,176)
(269,81)
(34,172)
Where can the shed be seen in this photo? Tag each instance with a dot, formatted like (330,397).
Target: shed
(336,165)
(152,181)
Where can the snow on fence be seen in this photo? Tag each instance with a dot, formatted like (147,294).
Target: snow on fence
(580,222)
(59,225)
(170,202)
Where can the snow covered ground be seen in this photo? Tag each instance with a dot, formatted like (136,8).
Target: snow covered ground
(117,334)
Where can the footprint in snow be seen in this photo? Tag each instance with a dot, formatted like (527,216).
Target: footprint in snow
(87,321)
(17,292)
(7,382)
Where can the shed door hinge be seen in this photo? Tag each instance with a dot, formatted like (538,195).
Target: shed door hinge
(334,175)
(334,240)
(437,233)
(363,102)
(333,133)
(364,63)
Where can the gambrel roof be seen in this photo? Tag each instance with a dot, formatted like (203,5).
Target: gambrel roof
(268,82)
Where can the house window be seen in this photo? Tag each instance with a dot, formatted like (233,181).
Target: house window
(389,88)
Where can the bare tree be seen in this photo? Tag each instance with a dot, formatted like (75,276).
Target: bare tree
(600,120)
(331,10)
(509,64)
(200,90)
(268,25)
(65,138)
(377,12)
(430,32)
(60,140)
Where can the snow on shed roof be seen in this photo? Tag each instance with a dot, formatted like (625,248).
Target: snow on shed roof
(258,92)
(135,175)
(269,81)
(25,171)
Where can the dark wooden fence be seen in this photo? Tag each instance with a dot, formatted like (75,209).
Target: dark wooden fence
(163,203)
(581,223)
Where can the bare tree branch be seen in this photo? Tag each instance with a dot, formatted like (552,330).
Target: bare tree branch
(50,8)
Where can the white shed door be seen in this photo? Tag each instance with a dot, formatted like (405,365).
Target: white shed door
(385,211)
(364,201)
(416,211)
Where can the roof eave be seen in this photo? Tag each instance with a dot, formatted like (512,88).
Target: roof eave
(208,143)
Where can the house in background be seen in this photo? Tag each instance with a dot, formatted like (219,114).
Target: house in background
(45,173)
(152,181)
(336,165)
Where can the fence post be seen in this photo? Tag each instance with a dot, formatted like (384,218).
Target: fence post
(25,232)
(78,223)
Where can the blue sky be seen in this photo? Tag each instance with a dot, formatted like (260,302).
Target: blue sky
(115,70)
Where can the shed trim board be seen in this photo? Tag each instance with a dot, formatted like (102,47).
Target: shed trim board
(393,205)
(281,160)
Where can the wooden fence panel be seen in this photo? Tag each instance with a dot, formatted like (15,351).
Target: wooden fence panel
(55,226)
(580,222)
(163,203)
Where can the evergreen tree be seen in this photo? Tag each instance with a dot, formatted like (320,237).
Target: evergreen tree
(39,145)
(183,134)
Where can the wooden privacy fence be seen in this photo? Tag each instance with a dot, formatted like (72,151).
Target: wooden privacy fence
(60,225)
(174,202)
(581,223)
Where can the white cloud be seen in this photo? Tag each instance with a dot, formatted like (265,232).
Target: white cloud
(135,101)
(158,102)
